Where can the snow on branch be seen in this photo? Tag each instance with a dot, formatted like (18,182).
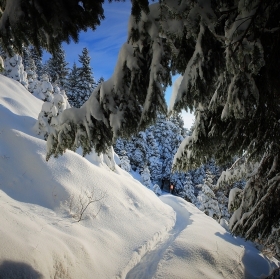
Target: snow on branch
(129,100)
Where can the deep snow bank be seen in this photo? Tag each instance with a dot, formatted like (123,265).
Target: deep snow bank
(36,227)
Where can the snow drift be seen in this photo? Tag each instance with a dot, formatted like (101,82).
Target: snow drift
(127,232)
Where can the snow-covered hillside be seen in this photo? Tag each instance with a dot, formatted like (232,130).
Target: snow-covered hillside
(128,233)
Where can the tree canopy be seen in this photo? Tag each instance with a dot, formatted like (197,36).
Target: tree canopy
(45,24)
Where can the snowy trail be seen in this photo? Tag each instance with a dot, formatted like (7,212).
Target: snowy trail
(148,265)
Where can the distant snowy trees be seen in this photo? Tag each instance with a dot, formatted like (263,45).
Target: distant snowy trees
(42,79)
(154,148)
(150,153)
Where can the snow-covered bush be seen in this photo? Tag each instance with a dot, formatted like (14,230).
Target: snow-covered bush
(33,83)
(14,69)
(47,118)
(31,71)
(146,177)
(78,205)
(45,89)
(157,190)
(224,224)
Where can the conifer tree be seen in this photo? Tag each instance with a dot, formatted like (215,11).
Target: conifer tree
(57,68)
(37,58)
(206,199)
(153,157)
(146,177)
(138,157)
(44,89)
(188,191)
(13,68)
(120,146)
(47,117)
(25,57)
(73,87)
(31,70)
(156,147)
(86,82)
(125,163)
(157,190)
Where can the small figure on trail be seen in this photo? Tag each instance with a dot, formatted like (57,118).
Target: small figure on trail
(171,188)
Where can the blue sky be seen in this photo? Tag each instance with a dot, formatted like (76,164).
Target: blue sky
(105,42)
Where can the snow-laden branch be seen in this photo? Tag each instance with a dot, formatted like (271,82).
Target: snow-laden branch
(129,100)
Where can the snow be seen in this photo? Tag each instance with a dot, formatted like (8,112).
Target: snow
(1,63)
(175,89)
(129,233)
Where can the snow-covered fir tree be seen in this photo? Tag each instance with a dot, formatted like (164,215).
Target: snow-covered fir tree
(31,70)
(37,58)
(57,68)
(138,154)
(222,199)
(80,81)
(86,82)
(206,199)
(146,177)
(44,89)
(188,190)
(168,134)
(153,157)
(125,163)
(119,147)
(198,175)
(157,190)
(47,119)
(73,87)
(14,68)
(25,57)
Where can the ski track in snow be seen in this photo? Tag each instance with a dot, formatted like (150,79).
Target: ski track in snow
(147,266)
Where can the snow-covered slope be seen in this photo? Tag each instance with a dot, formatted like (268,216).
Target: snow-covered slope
(129,233)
